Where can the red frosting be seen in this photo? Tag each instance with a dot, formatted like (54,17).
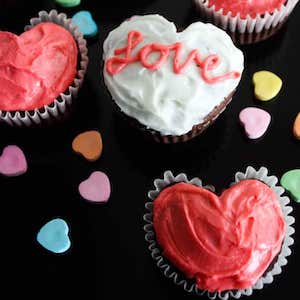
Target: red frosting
(247,7)
(36,66)
(224,242)
(116,64)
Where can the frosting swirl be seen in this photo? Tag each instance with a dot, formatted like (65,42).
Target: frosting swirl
(224,242)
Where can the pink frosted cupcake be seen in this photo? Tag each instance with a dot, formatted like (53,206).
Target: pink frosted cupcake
(247,21)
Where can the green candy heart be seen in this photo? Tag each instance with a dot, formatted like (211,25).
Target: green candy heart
(291,182)
(68,3)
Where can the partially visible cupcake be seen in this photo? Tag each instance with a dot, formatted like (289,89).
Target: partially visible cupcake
(41,70)
(223,246)
(171,85)
(247,21)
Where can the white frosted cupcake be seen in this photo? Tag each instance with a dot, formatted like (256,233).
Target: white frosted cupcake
(171,84)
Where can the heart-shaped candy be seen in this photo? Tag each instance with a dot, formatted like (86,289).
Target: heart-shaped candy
(96,188)
(266,85)
(36,67)
(68,3)
(12,161)
(88,144)
(85,23)
(170,81)
(291,182)
(224,243)
(54,236)
(255,120)
(296,128)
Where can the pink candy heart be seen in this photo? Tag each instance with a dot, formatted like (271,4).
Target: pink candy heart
(12,161)
(96,188)
(255,121)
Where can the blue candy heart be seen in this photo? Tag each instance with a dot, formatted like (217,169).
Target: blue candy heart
(85,23)
(54,236)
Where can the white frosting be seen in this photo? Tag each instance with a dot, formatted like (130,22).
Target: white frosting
(163,100)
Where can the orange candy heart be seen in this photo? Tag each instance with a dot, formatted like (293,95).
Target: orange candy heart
(88,144)
(297,127)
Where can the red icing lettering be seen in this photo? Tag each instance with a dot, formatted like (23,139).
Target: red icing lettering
(116,64)
(148,49)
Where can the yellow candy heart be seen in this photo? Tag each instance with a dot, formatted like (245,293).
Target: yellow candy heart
(266,85)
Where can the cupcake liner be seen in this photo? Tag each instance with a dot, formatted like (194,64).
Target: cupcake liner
(173,139)
(188,285)
(62,104)
(266,22)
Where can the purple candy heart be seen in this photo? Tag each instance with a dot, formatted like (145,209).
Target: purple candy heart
(12,161)
(96,188)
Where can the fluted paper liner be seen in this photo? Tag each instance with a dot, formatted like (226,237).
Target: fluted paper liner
(189,285)
(248,25)
(60,105)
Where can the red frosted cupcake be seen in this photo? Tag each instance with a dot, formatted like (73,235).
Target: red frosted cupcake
(41,70)
(224,246)
(247,21)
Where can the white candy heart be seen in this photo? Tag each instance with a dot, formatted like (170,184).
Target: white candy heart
(162,99)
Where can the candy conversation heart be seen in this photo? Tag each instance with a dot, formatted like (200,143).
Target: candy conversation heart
(68,3)
(266,85)
(85,23)
(12,161)
(291,182)
(296,127)
(255,121)
(53,236)
(170,81)
(96,188)
(88,144)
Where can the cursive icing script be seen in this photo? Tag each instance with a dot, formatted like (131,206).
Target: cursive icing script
(117,63)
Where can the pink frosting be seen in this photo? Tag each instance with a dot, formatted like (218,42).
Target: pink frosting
(224,242)
(247,7)
(36,66)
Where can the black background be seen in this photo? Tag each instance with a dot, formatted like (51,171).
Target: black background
(109,257)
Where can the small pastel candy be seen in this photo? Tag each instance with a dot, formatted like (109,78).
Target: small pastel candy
(85,23)
(68,3)
(255,121)
(88,144)
(96,188)
(12,161)
(267,85)
(53,236)
(296,128)
(291,182)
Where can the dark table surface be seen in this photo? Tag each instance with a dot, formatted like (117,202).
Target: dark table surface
(109,257)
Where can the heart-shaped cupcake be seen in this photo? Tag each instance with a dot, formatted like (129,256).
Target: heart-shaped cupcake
(222,242)
(226,243)
(36,66)
(167,80)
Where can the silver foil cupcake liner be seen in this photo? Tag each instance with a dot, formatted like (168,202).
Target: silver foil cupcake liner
(249,25)
(189,285)
(61,105)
